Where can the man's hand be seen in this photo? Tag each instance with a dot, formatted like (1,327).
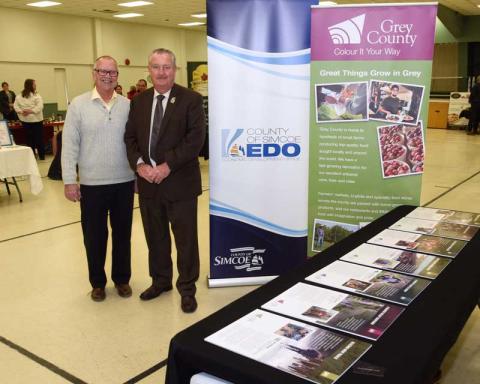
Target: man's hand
(72,192)
(146,171)
(161,172)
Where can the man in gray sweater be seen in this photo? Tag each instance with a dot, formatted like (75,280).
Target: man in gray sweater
(93,140)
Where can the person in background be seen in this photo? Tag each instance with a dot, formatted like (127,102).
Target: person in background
(141,86)
(163,148)
(7,98)
(29,108)
(93,139)
(55,170)
(132,92)
(474,100)
(119,89)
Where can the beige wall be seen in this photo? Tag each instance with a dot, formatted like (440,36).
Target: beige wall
(35,43)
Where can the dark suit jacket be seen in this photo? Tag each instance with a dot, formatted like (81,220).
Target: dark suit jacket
(181,137)
(4,107)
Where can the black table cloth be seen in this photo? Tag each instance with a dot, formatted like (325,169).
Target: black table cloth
(410,351)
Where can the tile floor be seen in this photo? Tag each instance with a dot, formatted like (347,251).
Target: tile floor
(63,336)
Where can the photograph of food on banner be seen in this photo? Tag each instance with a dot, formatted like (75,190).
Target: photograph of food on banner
(395,102)
(341,102)
(327,233)
(402,150)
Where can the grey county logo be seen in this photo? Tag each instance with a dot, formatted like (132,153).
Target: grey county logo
(348,31)
(244,258)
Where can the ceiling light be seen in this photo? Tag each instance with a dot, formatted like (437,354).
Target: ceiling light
(42,4)
(135,3)
(127,15)
(326,3)
(191,24)
(200,15)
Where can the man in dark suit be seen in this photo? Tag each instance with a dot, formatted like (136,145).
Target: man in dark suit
(7,98)
(164,134)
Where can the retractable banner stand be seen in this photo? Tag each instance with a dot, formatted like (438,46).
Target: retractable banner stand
(259,79)
(370,85)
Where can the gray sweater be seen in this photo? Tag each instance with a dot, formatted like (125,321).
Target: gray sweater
(93,139)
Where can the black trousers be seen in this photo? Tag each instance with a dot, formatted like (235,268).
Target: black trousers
(96,203)
(474,117)
(157,213)
(34,132)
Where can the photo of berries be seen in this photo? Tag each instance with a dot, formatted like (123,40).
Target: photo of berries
(401,149)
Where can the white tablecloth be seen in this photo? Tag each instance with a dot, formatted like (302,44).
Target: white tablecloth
(19,161)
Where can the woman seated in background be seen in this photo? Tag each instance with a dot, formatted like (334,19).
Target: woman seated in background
(55,170)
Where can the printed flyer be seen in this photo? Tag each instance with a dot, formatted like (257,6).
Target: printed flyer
(352,314)
(437,228)
(300,349)
(412,263)
(441,246)
(372,282)
(456,107)
(370,83)
(467,218)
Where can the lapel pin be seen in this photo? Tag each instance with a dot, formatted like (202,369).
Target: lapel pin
(172,100)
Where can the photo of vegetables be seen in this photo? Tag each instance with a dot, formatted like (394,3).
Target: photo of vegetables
(341,102)
(401,149)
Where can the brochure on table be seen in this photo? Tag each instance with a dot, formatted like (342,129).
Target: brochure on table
(295,347)
(352,314)
(436,228)
(372,282)
(436,245)
(412,263)
(459,217)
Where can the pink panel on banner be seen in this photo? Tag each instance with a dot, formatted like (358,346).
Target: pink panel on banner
(373,33)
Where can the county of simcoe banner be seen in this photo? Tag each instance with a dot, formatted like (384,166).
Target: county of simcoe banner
(259,79)
(370,85)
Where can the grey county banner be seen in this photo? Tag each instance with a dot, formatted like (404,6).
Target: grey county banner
(370,84)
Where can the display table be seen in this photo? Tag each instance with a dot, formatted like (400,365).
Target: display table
(19,161)
(49,128)
(409,352)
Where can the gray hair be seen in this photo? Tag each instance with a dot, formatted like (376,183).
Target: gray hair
(162,51)
(104,57)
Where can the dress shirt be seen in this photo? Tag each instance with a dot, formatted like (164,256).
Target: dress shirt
(154,105)
(96,95)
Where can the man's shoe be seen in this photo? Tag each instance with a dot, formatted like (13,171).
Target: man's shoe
(124,290)
(189,304)
(154,291)
(98,294)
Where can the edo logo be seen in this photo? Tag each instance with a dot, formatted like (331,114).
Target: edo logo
(348,31)
(260,144)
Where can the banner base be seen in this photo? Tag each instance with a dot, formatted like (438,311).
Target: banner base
(238,281)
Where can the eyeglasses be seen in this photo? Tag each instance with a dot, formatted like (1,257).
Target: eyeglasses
(104,72)
(157,67)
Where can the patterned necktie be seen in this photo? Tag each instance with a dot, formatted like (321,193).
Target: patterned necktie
(157,123)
